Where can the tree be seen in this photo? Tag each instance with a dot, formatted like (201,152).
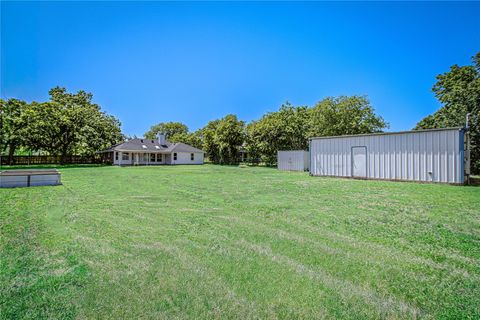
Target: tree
(222,139)
(459,92)
(290,127)
(12,126)
(191,138)
(102,132)
(69,124)
(209,141)
(285,129)
(229,138)
(170,129)
(344,115)
(43,131)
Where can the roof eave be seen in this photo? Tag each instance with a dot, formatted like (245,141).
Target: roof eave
(387,133)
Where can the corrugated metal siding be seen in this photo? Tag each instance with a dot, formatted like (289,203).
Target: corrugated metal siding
(297,160)
(433,156)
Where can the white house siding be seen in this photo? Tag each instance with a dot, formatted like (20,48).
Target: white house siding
(141,160)
(182,158)
(431,156)
(168,159)
(297,160)
(185,158)
(120,161)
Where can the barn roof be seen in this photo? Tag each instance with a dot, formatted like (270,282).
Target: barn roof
(386,133)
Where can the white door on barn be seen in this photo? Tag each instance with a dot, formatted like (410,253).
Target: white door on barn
(359,162)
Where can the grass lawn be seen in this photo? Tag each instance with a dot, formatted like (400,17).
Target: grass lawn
(229,242)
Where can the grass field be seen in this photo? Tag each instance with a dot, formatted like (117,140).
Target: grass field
(229,242)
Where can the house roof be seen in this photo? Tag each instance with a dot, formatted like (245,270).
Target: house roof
(183,147)
(151,145)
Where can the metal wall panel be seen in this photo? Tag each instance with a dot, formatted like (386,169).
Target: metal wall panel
(297,160)
(429,155)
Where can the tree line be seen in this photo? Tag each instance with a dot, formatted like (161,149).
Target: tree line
(71,124)
(289,128)
(286,129)
(67,124)
(458,90)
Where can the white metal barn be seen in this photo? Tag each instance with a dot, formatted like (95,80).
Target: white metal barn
(295,160)
(436,155)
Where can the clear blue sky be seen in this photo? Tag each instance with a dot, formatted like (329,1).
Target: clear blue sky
(150,62)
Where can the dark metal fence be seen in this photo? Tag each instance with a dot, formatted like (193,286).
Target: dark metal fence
(32,160)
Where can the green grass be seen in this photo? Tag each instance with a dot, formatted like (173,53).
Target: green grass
(229,242)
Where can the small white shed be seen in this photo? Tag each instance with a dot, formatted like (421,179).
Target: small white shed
(294,160)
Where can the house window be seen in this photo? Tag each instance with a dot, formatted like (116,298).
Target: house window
(125,156)
(116,156)
(175,156)
(159,157)
(152,157)
(192,156)
(145,157)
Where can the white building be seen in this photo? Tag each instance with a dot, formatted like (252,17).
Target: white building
(159,151)
(436,155)
(293,160)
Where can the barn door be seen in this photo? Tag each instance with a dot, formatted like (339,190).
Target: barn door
(359,162)
(290,164)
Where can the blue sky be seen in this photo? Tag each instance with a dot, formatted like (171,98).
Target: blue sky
(148,62)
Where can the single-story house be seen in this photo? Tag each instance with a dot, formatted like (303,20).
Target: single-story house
(141,151)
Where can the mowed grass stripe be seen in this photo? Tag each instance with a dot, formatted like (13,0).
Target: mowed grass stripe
(228,242)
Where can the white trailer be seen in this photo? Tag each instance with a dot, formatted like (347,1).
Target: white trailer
(436,155)
(294,160)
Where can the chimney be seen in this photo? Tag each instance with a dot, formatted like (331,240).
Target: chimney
(161,138)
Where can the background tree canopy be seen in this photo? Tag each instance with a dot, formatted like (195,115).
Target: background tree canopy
(67,124)
(12,126)
(175,132)
(222,139)
(169,129)
(72,124)
(344,115)
(459,92)
(286,129)
(290,127)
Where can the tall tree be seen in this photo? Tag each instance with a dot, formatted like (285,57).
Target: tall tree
(12,126)
(209,141)
(192,138)
(69,124)
(43,130)
(285,129)
(222,139)
(102,132)
(170,129)
(344,115)
(229,138)
(459,92)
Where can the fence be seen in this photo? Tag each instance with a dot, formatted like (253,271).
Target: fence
(31,160)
